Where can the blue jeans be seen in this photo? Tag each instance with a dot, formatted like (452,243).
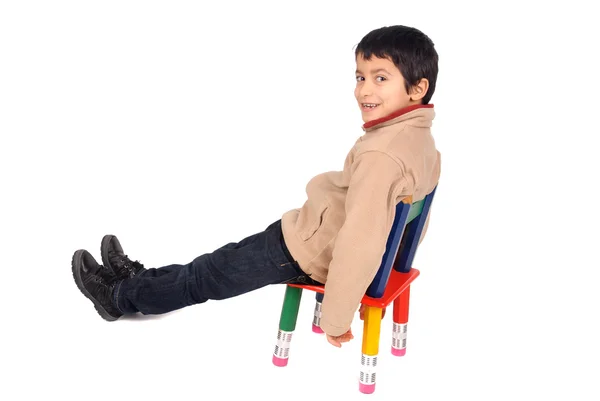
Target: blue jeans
(234,269)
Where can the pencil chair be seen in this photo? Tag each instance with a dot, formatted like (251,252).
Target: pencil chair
(391,284)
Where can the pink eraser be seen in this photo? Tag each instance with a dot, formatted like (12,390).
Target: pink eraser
(280,361)
(366,388)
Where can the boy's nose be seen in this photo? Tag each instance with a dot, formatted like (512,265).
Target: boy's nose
(365,90)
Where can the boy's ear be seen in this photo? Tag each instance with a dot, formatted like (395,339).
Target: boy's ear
(419,91)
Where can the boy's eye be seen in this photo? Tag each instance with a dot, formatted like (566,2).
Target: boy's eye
(380,78)
(358,79)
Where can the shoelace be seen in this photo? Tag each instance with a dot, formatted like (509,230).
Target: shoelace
(108,282)
(125,262)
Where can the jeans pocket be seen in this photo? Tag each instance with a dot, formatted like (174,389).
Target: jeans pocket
(298,276)
(289,281)
(301,279)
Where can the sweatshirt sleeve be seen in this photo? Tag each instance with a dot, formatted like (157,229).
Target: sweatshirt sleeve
(375,183)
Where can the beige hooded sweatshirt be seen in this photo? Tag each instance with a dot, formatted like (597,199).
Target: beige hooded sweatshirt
(339,235)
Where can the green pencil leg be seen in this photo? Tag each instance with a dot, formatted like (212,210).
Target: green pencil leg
(287,325)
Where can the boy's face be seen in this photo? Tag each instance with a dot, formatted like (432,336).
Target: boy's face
(379,88)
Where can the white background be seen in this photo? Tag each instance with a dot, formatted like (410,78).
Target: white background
(182,126)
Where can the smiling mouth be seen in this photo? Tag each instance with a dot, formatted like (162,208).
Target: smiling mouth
(368,106)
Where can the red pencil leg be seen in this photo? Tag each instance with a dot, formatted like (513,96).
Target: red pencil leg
(399,331)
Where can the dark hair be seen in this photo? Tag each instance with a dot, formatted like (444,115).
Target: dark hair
(409,49)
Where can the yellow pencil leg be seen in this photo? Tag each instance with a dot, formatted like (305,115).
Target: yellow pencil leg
(370,349)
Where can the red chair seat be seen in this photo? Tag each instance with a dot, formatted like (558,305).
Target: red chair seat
(398,282)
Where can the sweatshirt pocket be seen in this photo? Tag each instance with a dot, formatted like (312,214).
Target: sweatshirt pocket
(314,221)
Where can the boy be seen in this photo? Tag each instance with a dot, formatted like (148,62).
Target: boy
(339,235)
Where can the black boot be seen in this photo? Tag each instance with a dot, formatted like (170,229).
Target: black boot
(96,283)
(114,258)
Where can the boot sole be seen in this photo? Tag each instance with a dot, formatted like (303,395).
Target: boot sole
(75,262)
(104,251)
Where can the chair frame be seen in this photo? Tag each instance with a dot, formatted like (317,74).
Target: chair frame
(391,284)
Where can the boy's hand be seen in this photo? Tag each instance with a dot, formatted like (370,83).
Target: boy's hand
(361,311)
(338,340)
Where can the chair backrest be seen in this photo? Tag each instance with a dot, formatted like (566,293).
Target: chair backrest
(402,242)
